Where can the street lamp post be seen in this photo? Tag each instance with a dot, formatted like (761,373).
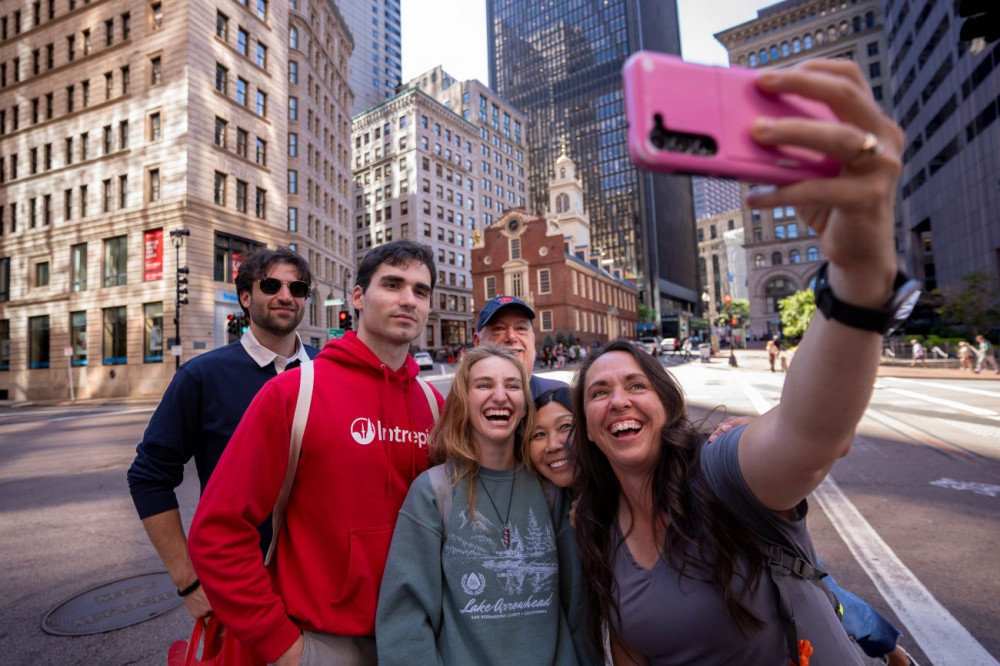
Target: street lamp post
(180,296)
(728,300)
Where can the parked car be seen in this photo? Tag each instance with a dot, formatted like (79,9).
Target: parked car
(424,360)
(650,345)
(670,345)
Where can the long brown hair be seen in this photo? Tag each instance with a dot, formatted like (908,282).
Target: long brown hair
(703,538)
(451,439)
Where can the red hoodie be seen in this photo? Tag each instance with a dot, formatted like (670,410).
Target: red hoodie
(364,444)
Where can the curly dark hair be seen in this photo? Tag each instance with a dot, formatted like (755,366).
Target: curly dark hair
(395,253)
(703,538)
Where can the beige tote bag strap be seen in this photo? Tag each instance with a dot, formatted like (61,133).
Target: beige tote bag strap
(302,404)
(431,398)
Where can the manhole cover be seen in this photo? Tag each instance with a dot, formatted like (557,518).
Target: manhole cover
(113,605)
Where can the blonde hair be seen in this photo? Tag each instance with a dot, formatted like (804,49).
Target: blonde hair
(451,439)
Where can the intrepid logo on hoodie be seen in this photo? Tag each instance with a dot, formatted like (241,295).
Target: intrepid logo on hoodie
(364,431)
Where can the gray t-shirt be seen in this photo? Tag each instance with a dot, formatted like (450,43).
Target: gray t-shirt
(674,620)
(465,598)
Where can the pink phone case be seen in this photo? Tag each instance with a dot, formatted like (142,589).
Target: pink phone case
(720,103)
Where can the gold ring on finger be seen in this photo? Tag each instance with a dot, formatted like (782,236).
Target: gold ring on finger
(870,148)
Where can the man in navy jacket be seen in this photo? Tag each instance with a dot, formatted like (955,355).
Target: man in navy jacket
(206,400)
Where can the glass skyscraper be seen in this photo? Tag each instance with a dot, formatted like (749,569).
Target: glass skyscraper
(560,62)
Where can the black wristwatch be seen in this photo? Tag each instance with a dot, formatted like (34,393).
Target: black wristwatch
(905,293)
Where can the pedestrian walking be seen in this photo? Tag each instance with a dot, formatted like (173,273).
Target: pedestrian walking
(964,356)
(773,348)
(206,400)
(985,355)
(918,353)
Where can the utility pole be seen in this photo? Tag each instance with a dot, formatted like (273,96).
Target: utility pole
(180,297)
(730,322)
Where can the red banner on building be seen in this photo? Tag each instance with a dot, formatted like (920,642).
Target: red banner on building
(153,247)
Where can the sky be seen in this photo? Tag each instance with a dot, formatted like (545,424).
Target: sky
(452,33)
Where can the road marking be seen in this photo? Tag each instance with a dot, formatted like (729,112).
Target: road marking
(948,387)
(142,410)
(941,637)
(987,489)
(961,406)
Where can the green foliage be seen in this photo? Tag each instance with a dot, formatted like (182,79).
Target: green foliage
(739,308)
(560,337)
(975,304)
(571,339)
(796,312)
(647,315)
(548,343)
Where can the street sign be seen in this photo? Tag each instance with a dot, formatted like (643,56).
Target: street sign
(333,301)
(335,332)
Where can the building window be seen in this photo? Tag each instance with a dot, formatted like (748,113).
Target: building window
(229,252)
(242,88)
(220,132)
(115,338)
(222,26)
(41,274)
(293,181)
(544,281)
(812,254)
(4,279)
(154,186)
(156,70)
(517,285)
(515,248)
(293,144)
(4,344)
(115,261)
(221,78)
(38,342)
(156,15)
(106,195)
(78,267)
(774,292)
(293,219)
(241,196)
(220,189)
(293,38)
(122,191)
(153,333)
(241,41)
(78,338)
(242,139)
(759,261)
(775,258)
(546,320)
(293,109)
(261,56)
(261,155)
(260,207)
(293,72)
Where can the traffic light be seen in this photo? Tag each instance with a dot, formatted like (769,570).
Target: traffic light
(233,324)
(345,320)
(182,281)
(982,20)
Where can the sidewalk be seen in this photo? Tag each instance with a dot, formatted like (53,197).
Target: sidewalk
(756,359)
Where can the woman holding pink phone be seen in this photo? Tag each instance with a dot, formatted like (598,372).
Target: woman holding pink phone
(698,553)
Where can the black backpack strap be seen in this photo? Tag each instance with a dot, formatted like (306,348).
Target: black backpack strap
(782,564)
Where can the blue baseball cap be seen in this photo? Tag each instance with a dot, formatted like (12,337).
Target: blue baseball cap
(494,305)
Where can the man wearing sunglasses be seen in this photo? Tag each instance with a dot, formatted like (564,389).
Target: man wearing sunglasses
(206,400)
(364,443)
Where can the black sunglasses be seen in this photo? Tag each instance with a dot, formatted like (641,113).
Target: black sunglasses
(271,286)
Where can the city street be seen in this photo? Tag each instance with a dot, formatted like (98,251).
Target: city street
(909,521)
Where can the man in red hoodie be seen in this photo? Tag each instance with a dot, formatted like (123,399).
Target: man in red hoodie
(364,443)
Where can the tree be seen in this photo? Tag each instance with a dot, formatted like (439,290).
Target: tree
(975,303)
(647,315)
(796,312)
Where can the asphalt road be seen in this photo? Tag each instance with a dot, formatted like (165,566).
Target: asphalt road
(923,481)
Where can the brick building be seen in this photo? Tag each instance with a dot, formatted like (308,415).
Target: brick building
(549,263)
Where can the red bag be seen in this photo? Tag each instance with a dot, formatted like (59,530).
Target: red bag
(220,648)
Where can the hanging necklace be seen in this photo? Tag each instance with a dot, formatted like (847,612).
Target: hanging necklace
(506,527)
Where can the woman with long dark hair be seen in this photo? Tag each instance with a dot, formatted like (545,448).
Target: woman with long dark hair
(698,553)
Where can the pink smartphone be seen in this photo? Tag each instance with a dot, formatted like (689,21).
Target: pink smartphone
(686,118)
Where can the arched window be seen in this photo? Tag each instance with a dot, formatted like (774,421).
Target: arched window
(775,258)
(293,38)
(808,41)
(775,291)
(794,257)
(812,254)
(843,28)
(856,24)
(758,261)
(820,37)
(562,172)
(763,56)
(752,59)
(870,19)
(774,52)
(562,203)
(796,45)
(785,52)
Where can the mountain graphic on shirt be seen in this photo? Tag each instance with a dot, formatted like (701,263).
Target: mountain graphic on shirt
(529,562)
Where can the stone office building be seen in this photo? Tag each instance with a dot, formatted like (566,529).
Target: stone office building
(126,120)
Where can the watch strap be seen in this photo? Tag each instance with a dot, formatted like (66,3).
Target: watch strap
(867,319)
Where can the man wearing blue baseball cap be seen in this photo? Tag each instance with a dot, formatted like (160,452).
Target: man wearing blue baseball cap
(506,321)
